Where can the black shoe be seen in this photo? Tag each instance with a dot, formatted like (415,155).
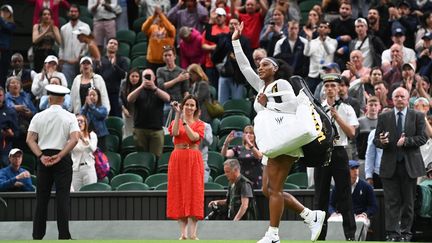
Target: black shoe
(391,238)
(350,239)
(406,238)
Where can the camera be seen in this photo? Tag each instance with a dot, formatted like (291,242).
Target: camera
(272,23)
(147,77)
(238,134)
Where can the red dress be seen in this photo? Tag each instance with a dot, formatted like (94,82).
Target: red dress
(185,197)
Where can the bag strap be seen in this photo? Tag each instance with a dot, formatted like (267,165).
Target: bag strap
(169,118)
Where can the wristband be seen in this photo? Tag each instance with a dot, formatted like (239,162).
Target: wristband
(252,147)
(40,156)
(155,90)
(184,123)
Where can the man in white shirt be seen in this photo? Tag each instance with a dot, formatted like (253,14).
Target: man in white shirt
(71,48)
(409,55)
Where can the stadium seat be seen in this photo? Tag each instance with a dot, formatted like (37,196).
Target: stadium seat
(156,179)
(127,146)
(214,145)
(123,178)
(139,62)
(95,187)
(162,186)
(126,36)
(104,180)
(3,207)
(237,107)
(236,141)
(29,162)
(210,179)
(162,164)
(112,143)
(88,20)
(140,37)
(215,125)
(123,49)
(115,126)
(168,143)
(306,6)
(139,50)
(137,24)
(213,92)
(84,12)
(115,163)
(213,186)
(133,186)
(222,180)
(290,186)
(234,122)
(141,163)
(215,162)
(299,179)
(62,21)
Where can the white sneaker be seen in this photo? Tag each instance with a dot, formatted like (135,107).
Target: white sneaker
(315,222)
(269,238)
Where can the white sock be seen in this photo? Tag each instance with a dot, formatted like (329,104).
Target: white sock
(305,213)
(273,230)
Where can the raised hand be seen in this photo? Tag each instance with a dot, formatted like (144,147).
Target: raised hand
(237,31)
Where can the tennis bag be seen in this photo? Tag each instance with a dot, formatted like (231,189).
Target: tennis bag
(318,152)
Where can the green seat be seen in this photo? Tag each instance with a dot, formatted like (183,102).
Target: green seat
(213,92)
(139,62)
(300,179)
(137,24)
(214,145)
(126,36)
(112,143)
(62,21)
(162,186)
(88,20)
(162,164)
(236,141)
(213,186)
(3,208)
(29,162)
(210,179)
(234,122)
(115,163)
(168,143)
(140,37)
(139,50)
(127,146)
(115,126)
(128,62)
(104,180)
(84,12)
(141,163)
(98,186)
(237,107)
(215,162)
(123,49)
(222,180)
(123,178)
(156,179)
(306,5)
(215,125)
(290,186)
(133,186)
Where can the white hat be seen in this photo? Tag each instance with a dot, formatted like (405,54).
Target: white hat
(14,151)
(51,58)
(57,90)
(84,30)
(408,65)
(86,59)
(361,20)
(220,11)
(8,7)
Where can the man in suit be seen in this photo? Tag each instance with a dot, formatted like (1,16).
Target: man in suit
(400,133)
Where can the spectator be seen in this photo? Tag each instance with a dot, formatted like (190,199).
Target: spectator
(363,200)
(41,79)
(148,7)
(71,48)
(401,163)
(83,82)
(190,47)
(188,13)
(422,105)
(355,68)
(7,27)
(9,128)
(289,8)
(407,54)
(148,98)
(381,91)
(104,25)
(199,87)
(273,31)
(160,32)
(113,69)
(83,160)
(320,51)
(247,154)
(258,55)
(373,162)
(346,97)
(96,114)
(128,109)
(407,80)
(403,17)
(13,177)
(122,21)
(54,5)
(366,124)
(44,103)
(218,21)
(330,9)
(393,69)
(375,76)
(346,122)
(424,59)
(18,70)
(378,26)
(311,27)
(204,147)
(90,48)
(185,196)
(45,36)
(253,18)
(240,199)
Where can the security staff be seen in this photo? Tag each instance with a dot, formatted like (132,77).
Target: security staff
(52,134)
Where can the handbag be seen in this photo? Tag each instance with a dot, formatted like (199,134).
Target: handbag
(280,133)
(102,165)
(214,108)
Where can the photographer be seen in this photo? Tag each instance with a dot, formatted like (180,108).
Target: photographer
(240,200)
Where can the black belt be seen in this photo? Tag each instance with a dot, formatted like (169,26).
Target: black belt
(83,164)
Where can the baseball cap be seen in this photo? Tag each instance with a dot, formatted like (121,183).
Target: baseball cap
(82,30)
(427,36)
(398,31)
(56,90)
(8,7)
(14,151)
(354,164)
(51,58)
(408,65)
(220,11)
(361,20)
(331,77)
(331,65)
(86,59)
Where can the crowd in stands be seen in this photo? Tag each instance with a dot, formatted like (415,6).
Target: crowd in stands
(185,47)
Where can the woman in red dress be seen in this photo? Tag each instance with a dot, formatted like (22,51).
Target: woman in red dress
(185,199)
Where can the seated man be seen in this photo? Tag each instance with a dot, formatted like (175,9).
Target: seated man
(13,177)
(240,200)
(363,200)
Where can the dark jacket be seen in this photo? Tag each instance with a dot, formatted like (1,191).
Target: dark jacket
(296,59)
(376,47)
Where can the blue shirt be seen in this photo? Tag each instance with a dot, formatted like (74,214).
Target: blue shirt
(8,179)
